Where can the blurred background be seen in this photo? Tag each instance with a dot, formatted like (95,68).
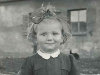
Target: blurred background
(83,17)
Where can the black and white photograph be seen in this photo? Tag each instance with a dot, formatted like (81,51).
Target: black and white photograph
(49,37)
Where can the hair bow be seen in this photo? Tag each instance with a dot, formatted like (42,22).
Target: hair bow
(42,13)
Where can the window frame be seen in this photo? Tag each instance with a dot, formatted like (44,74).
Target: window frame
(69,16)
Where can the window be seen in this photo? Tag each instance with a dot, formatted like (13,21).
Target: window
(77,19)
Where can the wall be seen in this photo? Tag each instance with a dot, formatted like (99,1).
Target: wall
(11,25)
(88,45)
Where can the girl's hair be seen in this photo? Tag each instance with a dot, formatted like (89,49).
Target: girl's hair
(48,14)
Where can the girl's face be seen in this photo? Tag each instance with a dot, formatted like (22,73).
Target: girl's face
(49,35)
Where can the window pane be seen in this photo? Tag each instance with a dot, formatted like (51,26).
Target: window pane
(74,16)
(82,26)
(82,19)
(74,21)
(82,15)
(74,26)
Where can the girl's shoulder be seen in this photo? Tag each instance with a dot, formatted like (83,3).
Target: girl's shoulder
(63,55)
(32,58)
(67,57)
(35,55)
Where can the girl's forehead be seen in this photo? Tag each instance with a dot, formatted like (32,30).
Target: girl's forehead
(50,21)
(49,24)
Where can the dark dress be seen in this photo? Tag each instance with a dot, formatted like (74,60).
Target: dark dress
(61,65)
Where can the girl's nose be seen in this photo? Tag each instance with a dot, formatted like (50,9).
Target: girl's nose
(49,37)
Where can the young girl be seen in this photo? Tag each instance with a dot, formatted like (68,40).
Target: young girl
(49,32)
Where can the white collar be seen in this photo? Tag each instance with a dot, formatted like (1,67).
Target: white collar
(47,56)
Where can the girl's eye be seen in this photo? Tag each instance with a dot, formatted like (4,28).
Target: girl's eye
(43,34)
(55,33)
